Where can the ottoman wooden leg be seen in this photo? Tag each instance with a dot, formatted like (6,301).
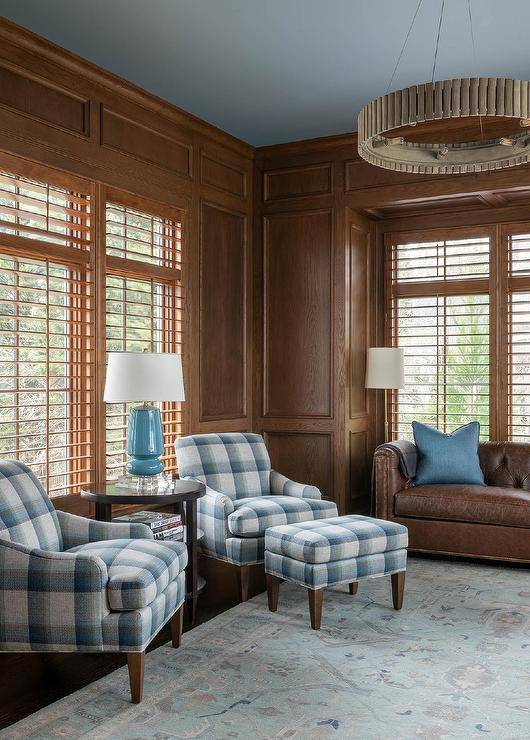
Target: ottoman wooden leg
(398,587)
(354,587)
(273,588)
(315,607)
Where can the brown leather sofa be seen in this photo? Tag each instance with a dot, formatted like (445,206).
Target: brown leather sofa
(491,521)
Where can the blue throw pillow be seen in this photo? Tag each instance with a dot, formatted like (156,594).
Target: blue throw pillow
(447,458)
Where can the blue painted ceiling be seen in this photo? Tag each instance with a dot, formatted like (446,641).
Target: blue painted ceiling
(271,71)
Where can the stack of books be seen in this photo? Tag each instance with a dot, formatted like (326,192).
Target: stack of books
(163,526)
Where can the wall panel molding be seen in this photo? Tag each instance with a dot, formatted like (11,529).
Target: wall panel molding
(222,314)
(298,304)
(30,96)
(298,182)
(129,137)
(223,176)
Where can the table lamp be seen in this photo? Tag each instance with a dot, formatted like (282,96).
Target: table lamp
(137,376)
(385,370)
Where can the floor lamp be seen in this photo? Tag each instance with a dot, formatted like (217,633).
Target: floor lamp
(385,370)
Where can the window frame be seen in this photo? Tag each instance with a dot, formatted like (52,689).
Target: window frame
(489,285)
(94,264)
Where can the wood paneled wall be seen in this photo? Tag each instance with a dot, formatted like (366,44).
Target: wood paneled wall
(314,308)
(61,111)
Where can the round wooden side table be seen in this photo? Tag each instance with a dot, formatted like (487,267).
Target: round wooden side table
(182,499)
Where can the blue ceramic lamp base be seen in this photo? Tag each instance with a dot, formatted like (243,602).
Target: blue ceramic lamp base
(145,442)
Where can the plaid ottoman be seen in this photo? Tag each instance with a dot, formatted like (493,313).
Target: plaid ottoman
(327,552)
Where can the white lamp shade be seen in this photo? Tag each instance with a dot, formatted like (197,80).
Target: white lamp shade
(385,368)
(143,376)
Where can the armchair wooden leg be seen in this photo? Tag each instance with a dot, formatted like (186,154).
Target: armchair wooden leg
(315,606)
(136,664)
(177,621)
(354,587)
(398,588)
(273,588)
(244,577)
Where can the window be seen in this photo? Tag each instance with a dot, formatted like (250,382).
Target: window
(439,305)
(36,210)
(46,332)
(144,312)
(52,344)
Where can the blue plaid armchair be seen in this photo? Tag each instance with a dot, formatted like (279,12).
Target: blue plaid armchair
(73,584)
(244,496)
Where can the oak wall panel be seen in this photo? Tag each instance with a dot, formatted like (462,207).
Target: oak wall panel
(126,136)
(222,327)
(223,176)
(43,101)
(359,305)
(303,457)
(296,182)
(360,468)
(298,310)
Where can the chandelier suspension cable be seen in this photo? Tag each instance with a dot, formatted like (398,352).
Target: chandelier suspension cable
(437,41)
(474,58)
(404,46)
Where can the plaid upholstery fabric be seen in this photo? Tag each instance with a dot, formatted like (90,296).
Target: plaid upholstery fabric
(59,601)
(252,516)
(236,468)
(339,538)
(320,575)
(236,464)
(245,550)
(78,530)
(132,631)
(26,513)
(282,485)
(49,600)
(214,509)
(138,570)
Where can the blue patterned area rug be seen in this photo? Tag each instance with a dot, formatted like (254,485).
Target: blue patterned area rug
(455,663)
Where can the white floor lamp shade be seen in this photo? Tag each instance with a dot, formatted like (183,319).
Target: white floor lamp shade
(385,369)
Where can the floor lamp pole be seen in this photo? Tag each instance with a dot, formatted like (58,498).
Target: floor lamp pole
(387,436)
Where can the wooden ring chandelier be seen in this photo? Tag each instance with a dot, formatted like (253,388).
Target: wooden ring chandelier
(489,97)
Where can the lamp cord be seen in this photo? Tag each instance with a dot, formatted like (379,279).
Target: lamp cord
(437,40)
(474,58)
(404,45)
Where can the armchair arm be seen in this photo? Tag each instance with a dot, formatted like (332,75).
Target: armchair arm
(79,530)
(388,479)
(214,509)
(281,485)
(51,600)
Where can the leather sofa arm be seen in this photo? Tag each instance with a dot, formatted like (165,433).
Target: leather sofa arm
(388,480)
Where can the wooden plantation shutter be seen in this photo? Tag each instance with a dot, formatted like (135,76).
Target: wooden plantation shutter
(46,326)
(438,304)
(143,307)
(519,334)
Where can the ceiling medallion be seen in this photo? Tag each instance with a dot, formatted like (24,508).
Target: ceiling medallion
(491,100)
(484,97)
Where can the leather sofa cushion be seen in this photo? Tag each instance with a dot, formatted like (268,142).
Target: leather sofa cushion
(470,503)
